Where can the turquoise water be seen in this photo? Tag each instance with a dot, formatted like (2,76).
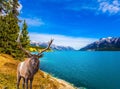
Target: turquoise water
(93,70)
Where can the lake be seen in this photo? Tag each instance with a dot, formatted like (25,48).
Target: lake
(93,70)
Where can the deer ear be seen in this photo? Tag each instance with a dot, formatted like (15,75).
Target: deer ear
(40,56)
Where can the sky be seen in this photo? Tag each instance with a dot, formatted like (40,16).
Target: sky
(73,23)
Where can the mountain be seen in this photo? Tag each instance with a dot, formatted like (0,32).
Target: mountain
(104,44)
(53,46)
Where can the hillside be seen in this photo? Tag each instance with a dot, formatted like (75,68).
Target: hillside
(42,80)
(104,44)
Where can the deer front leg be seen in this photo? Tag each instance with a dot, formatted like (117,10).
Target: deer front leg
(18,80)
(26,83)
(31,80)
(23,83)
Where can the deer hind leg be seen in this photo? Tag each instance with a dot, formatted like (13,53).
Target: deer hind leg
(26,83)
(23,83)
(18,80)
(31,80)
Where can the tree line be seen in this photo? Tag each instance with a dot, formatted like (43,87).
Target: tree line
(9,29)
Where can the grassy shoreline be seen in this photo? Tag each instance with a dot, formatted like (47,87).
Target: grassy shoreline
(42,80)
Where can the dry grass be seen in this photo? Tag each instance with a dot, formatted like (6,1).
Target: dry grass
(42,80)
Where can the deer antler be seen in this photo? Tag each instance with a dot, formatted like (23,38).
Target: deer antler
(49,44)
(20,46)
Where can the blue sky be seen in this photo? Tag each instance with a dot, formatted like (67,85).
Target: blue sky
(73,23)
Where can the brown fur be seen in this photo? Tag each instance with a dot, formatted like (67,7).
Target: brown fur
(27,69)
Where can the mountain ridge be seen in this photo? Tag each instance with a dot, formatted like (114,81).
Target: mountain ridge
(104,44)
(53,46)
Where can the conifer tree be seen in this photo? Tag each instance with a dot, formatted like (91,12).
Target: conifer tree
(9,32)
(15,6)
(5,6)
(25,38)
(25,41)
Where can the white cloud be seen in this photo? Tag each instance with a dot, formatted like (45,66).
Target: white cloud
(111,8)
(79,8)
(33,21)
(20,7)
(75,42)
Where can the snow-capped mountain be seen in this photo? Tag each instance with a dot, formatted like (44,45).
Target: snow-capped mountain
(109,43)
(53,46)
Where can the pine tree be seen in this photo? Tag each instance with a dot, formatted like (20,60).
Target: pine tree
(5,6)
(25,41)
(2,33)
(9,30)
(25,37)
(15,5)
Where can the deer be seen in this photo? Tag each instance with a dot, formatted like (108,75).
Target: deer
(28,68)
